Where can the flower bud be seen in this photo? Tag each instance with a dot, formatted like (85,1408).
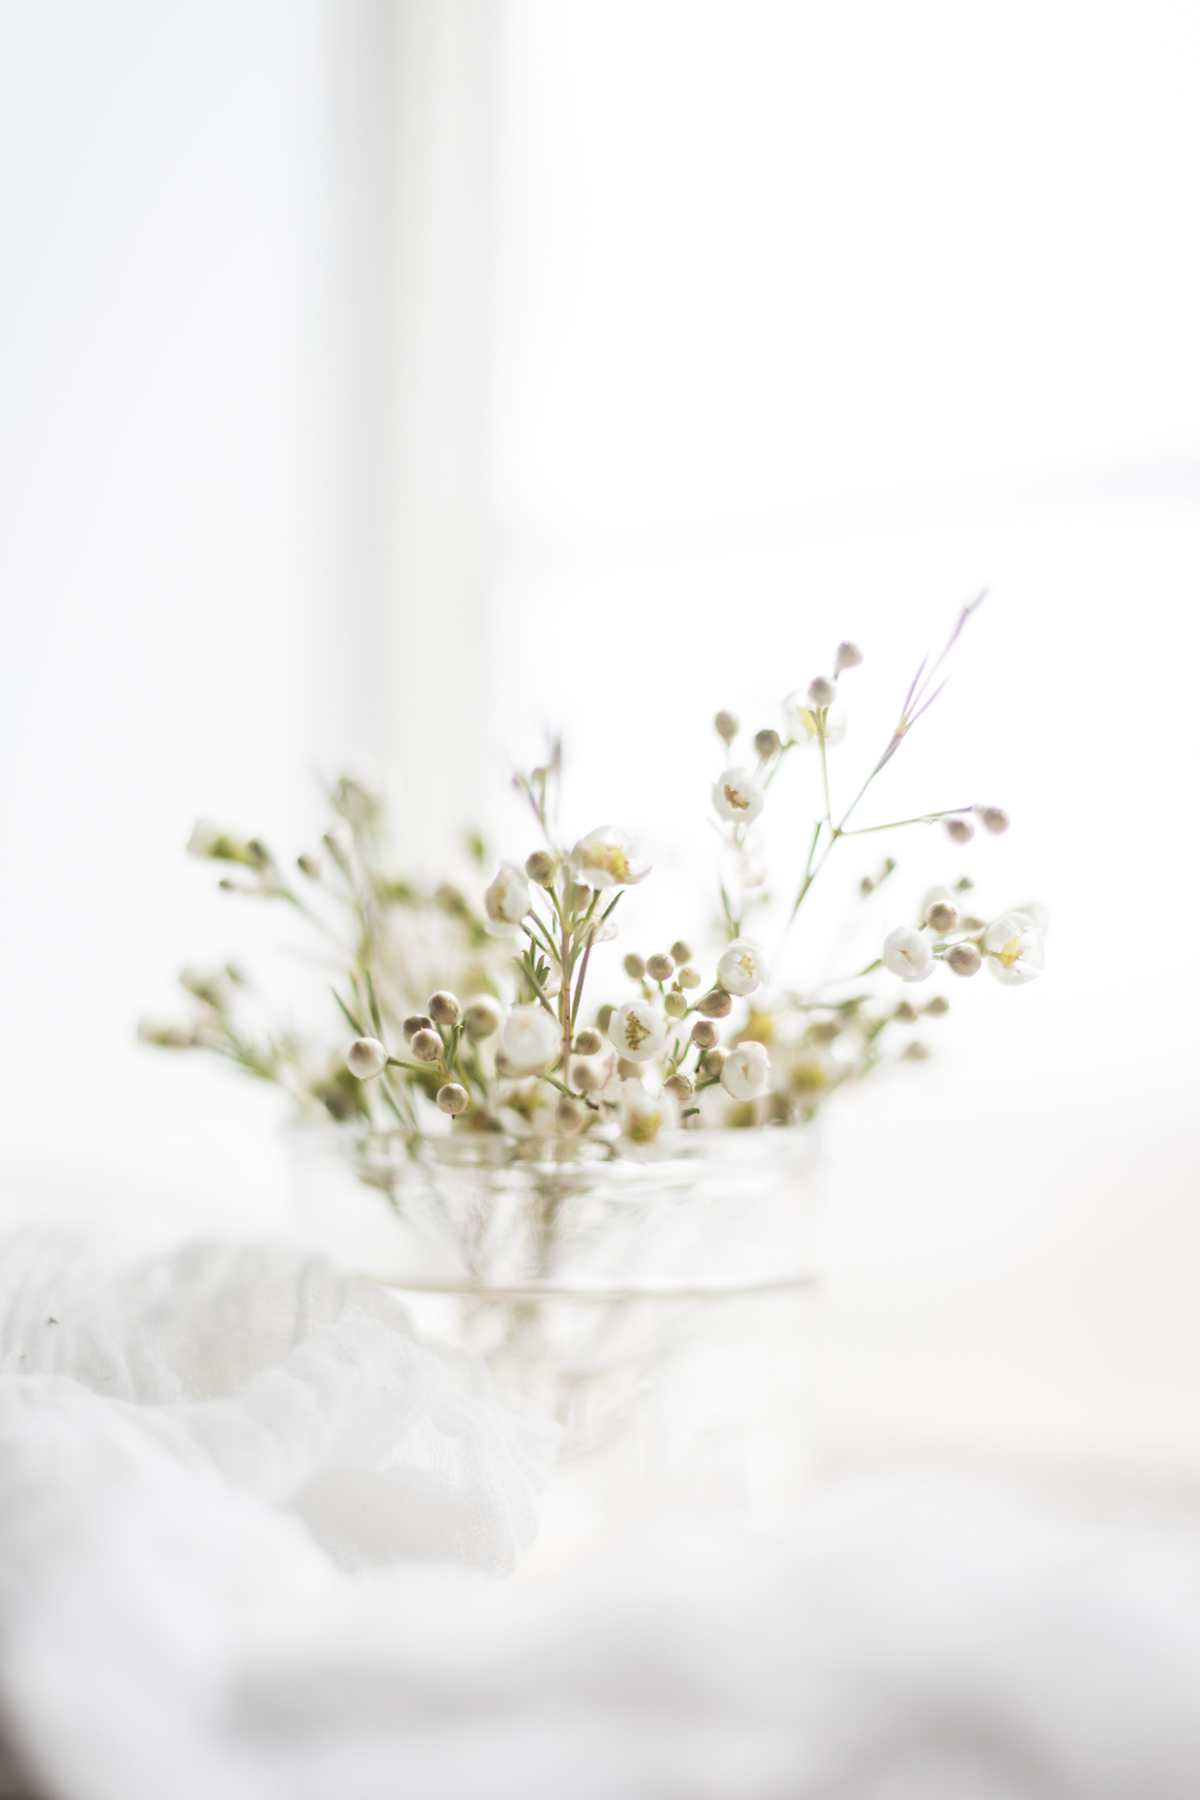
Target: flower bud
(964,959)
(916,1051)
(588,1042)
(660,968)
(682,1087)
(905,1013)
(687,977)
(603,1015)
(634,966)
(941,915)
(821,692)
(585,1077)
(415,1022)
(309,865)
(426,1045)
(452,1098)
(847,656)
(728,725)
(713,1061)
(907,954)
(767,742)
(542,867)
(568,1115)
(681,951)
(960,830)
(704,1034)
(938,1005)
(366,1057)
(481,1018)
(675,1005)
(717,1005)
(993,818)
(444,1008)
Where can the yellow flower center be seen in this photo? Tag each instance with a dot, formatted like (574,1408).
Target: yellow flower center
(1010,954)
(745,963)
(733,798)
(635,1032)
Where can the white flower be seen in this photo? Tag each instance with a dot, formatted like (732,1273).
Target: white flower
(802,726)
(507,901)
(746,1072)
(742,966)
(529,1040)
(365,1058)
(908,954)
(606,858)
(205,836)
(737,797)
(644,1115)
(637,1031)
(1014,948)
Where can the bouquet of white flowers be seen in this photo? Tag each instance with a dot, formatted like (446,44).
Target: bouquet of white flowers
(694,1041)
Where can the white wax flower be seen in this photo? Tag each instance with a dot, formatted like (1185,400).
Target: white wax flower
(746,1072)
(507,901)
(606,858)
(643,1115)
(908,954)
(737,797)
(1014,949)
(742,966)
(637,1031)
(529,1040)
(365,1058)
(802,726)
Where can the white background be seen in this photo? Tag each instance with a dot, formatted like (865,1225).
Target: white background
(412,378)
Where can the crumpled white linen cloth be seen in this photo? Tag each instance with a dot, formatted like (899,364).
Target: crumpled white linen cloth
(249,1528)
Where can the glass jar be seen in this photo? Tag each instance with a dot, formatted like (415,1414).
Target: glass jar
(655,1302)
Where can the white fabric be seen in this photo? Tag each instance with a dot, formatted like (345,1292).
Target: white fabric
(192,1449)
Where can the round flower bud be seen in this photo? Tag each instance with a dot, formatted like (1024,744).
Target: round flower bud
(585,1077)
(682,1087)
(588,1042)
(530,1040)
(746,1072)
(717,1005)
(660,968)
(908,954)
(938,1005)
(687,977)
(366,1057)
(847,656)
(603,1015)
(481,1018)
(960,830)
(821,692)
(767,742)
(637,1031)
(742,966)
(542,867)
(681,951)
(704,1034)
(416,1022)
(905,1013)
(452,1098)
(941,915)
(993,818)
(634,966)
(964,959)
(444,1008)
(309,865)
(727,725)
(568,1116)
(675,1005)
(737,797)
(426,1046)
(917,1051)
(713,1061)
(507,901)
